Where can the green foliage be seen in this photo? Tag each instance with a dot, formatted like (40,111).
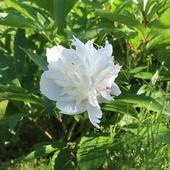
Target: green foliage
(92,151)
(134,131)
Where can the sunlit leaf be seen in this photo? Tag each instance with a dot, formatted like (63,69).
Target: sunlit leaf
(120,18)
(15,20)
(21,8)
(3,106)
(92,151)
(142,101)
(120,107)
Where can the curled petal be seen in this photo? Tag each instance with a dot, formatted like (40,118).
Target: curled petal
(115,90)
(54,53)
(94,114)
(106,95)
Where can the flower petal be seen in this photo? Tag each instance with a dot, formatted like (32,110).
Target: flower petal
(84,51)
(115,90)
(106,94)
(93,99)
(48,87)
(89,46)
(102,59)
(54,53)
(94,114)
(80,47)
(108,48)
(57,78)
(72,107)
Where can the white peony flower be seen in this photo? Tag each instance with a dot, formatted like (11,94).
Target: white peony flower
(77,79)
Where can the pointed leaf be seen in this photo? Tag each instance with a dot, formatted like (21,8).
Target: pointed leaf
(142,101)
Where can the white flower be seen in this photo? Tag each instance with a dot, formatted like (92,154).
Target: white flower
(77,79)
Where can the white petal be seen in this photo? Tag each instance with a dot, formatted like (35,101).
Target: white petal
(84,51)
(80,47)
(94,114)
(72,107)
(48,87)
(116,69)
(106,78)
(101,60)
(58,78)
(105,74)
(102,99)
(115,89)
(93,99)
(108,48)
(54,53)
(89,47)
(71,57)
(106,94)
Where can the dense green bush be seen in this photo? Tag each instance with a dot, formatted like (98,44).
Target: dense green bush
(134,131)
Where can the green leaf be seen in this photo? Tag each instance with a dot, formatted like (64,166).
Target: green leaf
(92,151)
(3,106)
(11,121)
(142,101)
(20,40)
(162,55)
(61,160)
(138,69)
(120,18)
(15,20)
(157,132)
(95,32)
(119,5)
(34,15)
(6,68)
(165,75)
(163,136)
(144,75)
(39,61)
(60,10)
(46,5)
(163,22)
(17,94)
(39,150)
(92,3)
(21,8)
(158,39)
(120,107)
(54,157)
